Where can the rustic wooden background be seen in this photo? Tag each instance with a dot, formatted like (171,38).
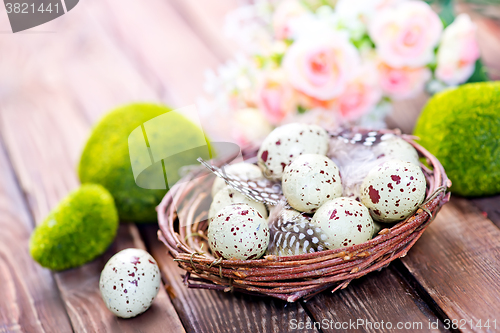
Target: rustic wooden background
(56,80)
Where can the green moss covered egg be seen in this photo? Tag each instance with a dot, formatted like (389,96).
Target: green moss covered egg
(461,127)
(79,229)
(106,157)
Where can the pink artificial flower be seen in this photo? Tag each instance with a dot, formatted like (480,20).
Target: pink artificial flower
(275,96)
(404,82)
(320,66)
(406,34)
(458,51)
(285,12)
(360,96)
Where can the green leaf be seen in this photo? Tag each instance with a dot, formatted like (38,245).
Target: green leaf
(447,14)
(480,74)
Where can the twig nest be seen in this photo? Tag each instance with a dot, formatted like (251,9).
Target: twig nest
(393,190)
(397,149)
(245,171)
(130,282)
(311,180)
(228,196)
(238,232)
(343,222)
(293,233)
(286,143)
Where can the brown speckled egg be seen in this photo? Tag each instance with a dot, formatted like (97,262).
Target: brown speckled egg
(228,196)
(309,181)
(398,149)
(130,282)
(238,232)
(393,190)
(245,171)
(288,142)
(343,222)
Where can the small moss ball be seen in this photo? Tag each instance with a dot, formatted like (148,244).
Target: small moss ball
(79,229)
(106,159)
(461,127)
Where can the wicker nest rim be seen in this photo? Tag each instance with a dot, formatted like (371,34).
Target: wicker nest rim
(294,277)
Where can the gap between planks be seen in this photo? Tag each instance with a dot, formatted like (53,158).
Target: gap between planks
(30,298)
(43,124)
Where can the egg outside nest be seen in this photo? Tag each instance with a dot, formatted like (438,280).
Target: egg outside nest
(130,282)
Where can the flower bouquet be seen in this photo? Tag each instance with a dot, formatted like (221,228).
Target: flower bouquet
(334,63)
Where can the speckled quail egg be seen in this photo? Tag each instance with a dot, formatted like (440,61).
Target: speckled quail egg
(343,222)
(228,196)
(286,143)
(393,190)
(396,148)
(309,181)
(293,233)
(130,282)
(238,232)
(245,171)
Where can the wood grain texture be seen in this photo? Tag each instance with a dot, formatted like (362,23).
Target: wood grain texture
(457,261)
(168,52)
(215,311)
(207,20)
(45,119)
(80,289)
(29,300)
(490,207)
(382,296)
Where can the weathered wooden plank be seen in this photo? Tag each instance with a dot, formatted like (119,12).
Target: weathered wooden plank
(44,123)
(215,311)
(156,37)
(490,207)
(80,288)
(30,300)
(207,19)
(457,261)
(379,302)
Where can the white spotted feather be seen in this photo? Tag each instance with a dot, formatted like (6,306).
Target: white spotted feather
(264,190)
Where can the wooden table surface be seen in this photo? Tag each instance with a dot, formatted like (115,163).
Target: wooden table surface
(56,80)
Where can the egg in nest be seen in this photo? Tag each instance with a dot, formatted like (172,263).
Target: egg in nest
(393,190)
(285,143)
